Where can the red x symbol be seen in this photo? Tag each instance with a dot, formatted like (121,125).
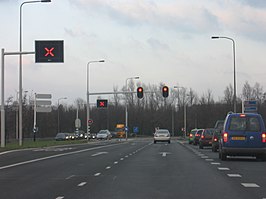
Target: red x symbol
(49,52)
(102,104)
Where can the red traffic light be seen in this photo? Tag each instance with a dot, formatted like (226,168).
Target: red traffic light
(140,92)
(165,91)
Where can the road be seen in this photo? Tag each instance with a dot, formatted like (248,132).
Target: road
(129,169)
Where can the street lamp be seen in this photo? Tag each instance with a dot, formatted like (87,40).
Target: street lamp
(234,62)
(58,115)
(20,65)
(126,111)
(88,95)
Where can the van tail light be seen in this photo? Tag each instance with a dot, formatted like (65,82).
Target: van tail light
(225,137)
(263,137)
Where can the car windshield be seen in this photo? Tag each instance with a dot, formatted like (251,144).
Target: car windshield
(244,124)
(102,132)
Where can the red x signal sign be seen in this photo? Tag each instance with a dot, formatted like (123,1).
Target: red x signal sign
(102,103)
(49,51)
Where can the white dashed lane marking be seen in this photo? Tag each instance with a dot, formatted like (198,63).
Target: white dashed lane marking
(215,163)
(223,169)
(250,185)
(82,184)
(97,174)
(234,175)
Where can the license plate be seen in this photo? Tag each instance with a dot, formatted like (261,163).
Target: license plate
(238,138)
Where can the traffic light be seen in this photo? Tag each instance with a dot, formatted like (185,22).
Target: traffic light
(165,91)
(102,103)
(140,92)
(49,51)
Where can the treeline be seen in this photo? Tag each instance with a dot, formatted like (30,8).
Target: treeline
(153,110)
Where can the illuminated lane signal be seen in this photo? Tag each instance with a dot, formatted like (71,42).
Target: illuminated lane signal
(49,51)
(140,92)
(102,103)
(165,91)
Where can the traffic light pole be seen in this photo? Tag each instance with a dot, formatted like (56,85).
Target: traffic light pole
(3,133)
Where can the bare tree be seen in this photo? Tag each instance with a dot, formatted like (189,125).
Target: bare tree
(247,91)
(229,94)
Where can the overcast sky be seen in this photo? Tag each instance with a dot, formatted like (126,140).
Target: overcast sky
(166,41)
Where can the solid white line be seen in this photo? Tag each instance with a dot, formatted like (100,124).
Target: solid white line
(234,175)
(250,185)
(54,156)
(82,184)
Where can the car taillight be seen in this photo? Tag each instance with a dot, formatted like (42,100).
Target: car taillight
(225,137)
(263,137)
(190,135)
(202,137)
(215,139)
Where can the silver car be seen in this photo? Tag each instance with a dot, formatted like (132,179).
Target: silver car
(162,135)
(104,135)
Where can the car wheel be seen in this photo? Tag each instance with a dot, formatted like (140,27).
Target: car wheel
(169,142)
(154,142)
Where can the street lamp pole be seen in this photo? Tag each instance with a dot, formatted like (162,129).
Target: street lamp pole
(88,95)
(126,111)
(20,65)
(58,115)
(234,63)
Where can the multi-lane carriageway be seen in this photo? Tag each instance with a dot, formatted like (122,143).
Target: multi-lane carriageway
(135,168)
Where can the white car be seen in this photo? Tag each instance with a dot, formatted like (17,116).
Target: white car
(162,135)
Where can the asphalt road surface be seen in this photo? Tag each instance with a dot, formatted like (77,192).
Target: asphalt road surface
(129,169)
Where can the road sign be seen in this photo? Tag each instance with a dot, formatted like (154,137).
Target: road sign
(43,96)
(135,129)
(102,103)
(49,51)
(43,102)
(250,106)
(90,121)
(77,123)
(126,128)
(43,109)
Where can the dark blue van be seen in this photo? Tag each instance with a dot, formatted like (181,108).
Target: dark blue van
(243,134)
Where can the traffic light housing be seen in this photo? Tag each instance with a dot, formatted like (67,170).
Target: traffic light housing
(140,92)
(165,91)
(102,103)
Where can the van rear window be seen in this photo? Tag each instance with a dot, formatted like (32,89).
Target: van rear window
(244,124)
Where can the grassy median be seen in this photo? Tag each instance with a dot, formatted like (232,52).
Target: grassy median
(14,144)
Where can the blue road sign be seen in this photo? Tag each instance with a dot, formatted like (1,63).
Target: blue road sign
(135,129)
